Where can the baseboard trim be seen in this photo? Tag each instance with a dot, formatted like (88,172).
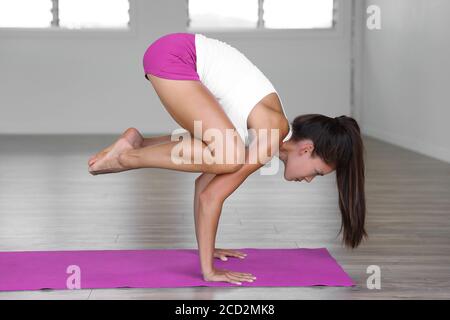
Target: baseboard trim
(416,145)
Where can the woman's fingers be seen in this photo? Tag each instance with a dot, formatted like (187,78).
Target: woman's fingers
(230,253)
(241,276)
(237,278)
(233,279)
(236,254)
(229,276)
(230,279)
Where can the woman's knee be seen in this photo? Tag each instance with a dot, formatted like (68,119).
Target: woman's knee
(239,152)
(230,152)
(229,168)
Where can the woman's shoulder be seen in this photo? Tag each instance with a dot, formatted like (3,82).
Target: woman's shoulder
(266,115)
(272,101)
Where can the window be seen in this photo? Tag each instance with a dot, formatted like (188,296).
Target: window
(223,13)
(262,14)
(25,13)
(67,14)
(298,14)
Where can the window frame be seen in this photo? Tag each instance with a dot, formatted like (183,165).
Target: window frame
(52,31)
(261,32)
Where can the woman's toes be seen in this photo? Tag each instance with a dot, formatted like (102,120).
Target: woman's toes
(106,165)
(92,167)
(108,162)
(96,157)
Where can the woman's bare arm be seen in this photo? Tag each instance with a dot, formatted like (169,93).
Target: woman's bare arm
(210,202)
(200,184)
(212,197)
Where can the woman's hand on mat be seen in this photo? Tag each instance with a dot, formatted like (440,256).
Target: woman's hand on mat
(222,254)
(228,276)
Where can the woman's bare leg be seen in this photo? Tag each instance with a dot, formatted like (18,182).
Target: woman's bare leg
(155,140)
(186,101)
(161,156)
(200,184)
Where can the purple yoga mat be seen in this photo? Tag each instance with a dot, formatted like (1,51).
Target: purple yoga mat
(164,268)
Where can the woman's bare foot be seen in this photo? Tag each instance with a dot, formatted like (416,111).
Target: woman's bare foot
(110,163)
(131,134)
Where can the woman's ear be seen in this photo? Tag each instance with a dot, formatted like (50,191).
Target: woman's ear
(305,146)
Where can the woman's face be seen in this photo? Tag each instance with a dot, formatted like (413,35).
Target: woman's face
(299,165)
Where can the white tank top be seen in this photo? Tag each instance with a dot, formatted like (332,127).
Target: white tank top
(234,80)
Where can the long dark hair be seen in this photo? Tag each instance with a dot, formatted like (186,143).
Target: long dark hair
(337,141)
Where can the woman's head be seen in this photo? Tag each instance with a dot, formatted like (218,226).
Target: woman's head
(320,145)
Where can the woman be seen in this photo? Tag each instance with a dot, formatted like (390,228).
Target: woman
(200,79)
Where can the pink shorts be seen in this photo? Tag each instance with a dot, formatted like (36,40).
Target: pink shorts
(172,56)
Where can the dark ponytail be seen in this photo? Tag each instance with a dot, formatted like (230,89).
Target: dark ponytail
(337,141)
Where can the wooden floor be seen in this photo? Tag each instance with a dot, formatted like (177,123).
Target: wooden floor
(49,201)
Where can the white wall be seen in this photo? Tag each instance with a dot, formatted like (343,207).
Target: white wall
(94,83)
(406,67)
